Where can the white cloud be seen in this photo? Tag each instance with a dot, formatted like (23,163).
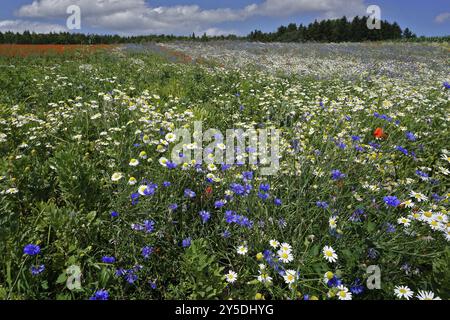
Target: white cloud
(137,16)
(441,18)
(22,25)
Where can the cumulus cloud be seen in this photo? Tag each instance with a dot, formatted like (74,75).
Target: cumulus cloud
(138,16)
(441,18)
(21,26)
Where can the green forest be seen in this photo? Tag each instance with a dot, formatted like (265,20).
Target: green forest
(332,30)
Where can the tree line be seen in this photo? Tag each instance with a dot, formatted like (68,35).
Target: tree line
(332,30)
(335,30)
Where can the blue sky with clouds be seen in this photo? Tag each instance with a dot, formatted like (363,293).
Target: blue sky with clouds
(127,17)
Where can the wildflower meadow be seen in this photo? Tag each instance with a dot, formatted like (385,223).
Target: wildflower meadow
(120,178)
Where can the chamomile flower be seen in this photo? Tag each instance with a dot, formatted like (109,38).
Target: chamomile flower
(426,295)
(418,196)
(274,243)
(343,293)
(264,277)
(404,221)
(242,250)
(143,155)
(403,292)
(285,256)
(212,167)
(286,247)
(163,161)
(134,162)
(329,254)
(427,215)
(231,276)
(132,181)
(171,137)
(116,176)
(408,204)
(332,222)
(290,276)
(328,276)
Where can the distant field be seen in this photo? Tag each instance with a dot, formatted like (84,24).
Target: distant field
(22,50)
(95,203)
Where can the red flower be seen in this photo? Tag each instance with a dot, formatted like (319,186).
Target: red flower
(379,133)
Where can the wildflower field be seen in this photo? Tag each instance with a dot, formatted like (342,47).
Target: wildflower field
(93,206)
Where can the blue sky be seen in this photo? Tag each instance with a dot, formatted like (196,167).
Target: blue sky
(214,17)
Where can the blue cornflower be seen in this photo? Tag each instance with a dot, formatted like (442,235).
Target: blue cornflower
(219,204)
(357,288)
(230,216)
(341,145)
(359,148)
(446,85)
(402,150)
(121,272)
(226,234)
(225,167)
(356,138)
(322,204)
(392,201)
(334,282)
(186,242)
(390,228)
(35,270)
(114,214)
(100,295)
(422,174)
(410,136)
(171,165)
(247,175)
(108,259)
(166,184)
(152,284)
(173,206)
(149,226)
(337,175)
(131,277)
(264,187)
(31,249)
(188,193)
(277,202)
(263,196)
(205,215)
(147,251)
(134,198)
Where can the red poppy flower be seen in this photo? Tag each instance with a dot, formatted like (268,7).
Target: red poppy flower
(379,133)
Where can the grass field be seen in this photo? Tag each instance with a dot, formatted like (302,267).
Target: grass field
(90,207)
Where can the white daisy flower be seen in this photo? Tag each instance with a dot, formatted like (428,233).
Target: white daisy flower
(264,277)
(404,221)
(426,295)
(285,256)
(418,196)
(171,137)
(290,276)
(274,243)
(242,250)
(231,276)
(163,161)
(134,162)
(116,176)
(332,222)
(329,254)
(343,293)
(403,292)
(286,247)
